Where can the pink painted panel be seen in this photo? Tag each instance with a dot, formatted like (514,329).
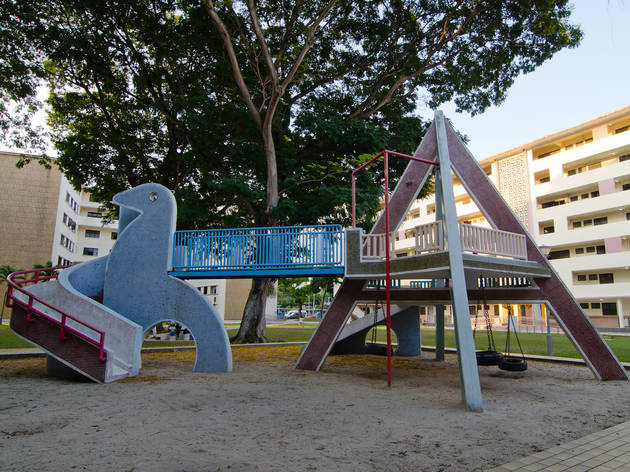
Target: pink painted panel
(606,186)
(613,244)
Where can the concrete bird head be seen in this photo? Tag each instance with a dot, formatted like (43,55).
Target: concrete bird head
(145,198)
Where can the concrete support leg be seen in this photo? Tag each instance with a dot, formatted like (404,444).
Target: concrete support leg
(469,374)
(406,325)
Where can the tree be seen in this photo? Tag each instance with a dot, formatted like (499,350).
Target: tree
(373,58)
(297,290)
(323,286)
(253,113)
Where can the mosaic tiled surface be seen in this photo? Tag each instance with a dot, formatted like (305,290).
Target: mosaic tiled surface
(604,451)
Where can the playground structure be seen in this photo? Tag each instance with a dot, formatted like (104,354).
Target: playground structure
(137,283)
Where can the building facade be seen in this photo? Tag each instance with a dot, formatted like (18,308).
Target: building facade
(571,190)
(28,207)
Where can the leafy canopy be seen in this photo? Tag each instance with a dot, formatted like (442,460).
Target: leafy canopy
(145,91)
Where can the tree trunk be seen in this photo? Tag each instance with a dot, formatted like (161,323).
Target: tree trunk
(252,328)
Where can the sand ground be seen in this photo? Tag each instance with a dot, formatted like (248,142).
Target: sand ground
(267,416)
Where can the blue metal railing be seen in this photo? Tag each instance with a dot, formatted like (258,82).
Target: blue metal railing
(291,250)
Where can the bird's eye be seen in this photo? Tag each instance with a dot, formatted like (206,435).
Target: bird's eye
(153,196)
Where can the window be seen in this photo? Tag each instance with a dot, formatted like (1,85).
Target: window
(592,276)
(622,129)
(581,278)
(577,224)
(584,195)
(579,250)
(601,249)
(95,214)
(544,180)
(90,251)
(600,221)
(553,203)
(609,309)
(114,235)
(548,229)
(596,305)
(571,172)
(627,216)
(590,249)
(588,222)
(625,187)
(606,278)
(584,305)
(625,157)
(90,233)
(574,198)
(595,194)
(213,289)
(559,254)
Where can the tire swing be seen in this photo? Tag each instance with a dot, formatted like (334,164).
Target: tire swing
(490,356)
(512,363)
(372,347)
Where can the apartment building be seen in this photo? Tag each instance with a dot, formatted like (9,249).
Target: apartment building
(45,219)
(28,206)
(571,189)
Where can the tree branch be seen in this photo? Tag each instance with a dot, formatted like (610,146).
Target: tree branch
(238,77)
(263,44)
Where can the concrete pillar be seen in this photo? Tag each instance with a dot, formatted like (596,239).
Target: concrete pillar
(537,315)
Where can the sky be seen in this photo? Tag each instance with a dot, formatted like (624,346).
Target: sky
(574,86)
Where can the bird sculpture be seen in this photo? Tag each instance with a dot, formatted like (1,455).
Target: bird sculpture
(133,279)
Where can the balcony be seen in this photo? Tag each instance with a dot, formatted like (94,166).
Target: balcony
(600,146)
(600,291)
(592,263)
(570,237)
(96,222)
(593,206)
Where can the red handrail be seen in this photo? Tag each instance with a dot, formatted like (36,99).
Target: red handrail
(30,309)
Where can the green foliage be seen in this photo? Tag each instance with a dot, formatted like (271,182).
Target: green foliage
(294,292)
(45,273)
(144,91)
(5,271)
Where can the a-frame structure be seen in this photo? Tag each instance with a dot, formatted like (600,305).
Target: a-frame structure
(442,144)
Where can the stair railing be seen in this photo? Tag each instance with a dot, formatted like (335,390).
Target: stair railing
(17,280)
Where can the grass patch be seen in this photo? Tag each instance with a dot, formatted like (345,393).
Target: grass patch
(533,343)
(8,340)
(290,334)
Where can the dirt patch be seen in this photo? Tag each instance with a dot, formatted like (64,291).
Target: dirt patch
(266,415)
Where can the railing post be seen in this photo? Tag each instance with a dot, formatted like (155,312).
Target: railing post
(28,310)
(62,332)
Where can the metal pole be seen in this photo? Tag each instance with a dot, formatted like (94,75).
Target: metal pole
(387,275)
(354,202)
